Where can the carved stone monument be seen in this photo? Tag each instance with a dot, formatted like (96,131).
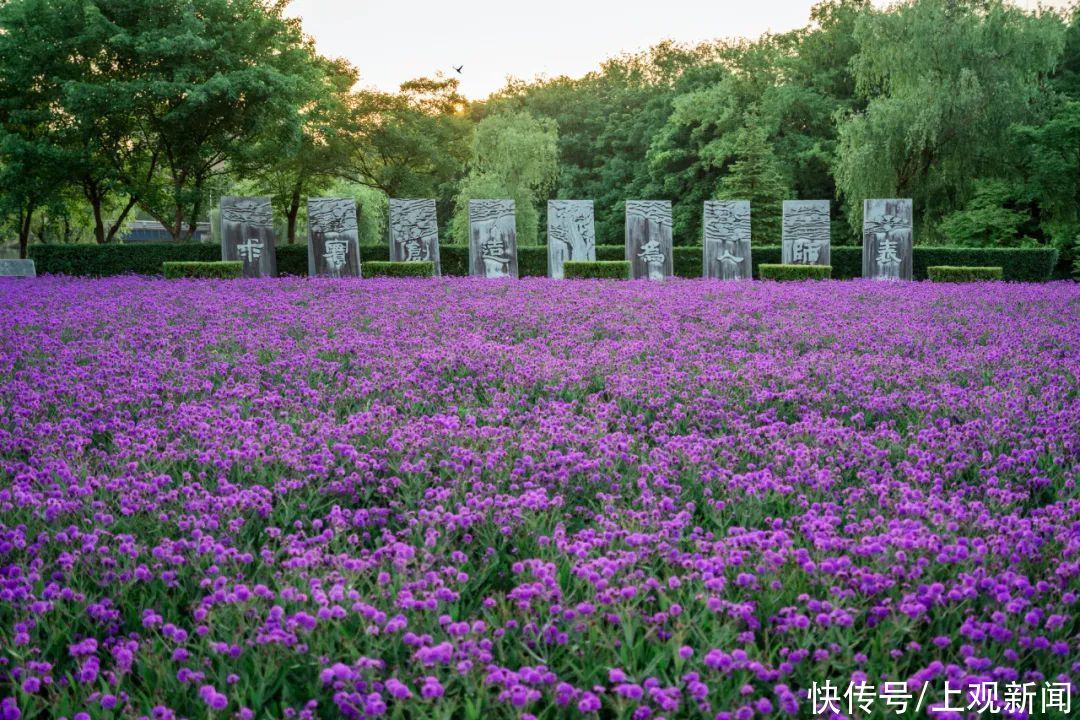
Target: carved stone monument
(648,239)
(17,268)
(571,234)
(805,236)
(333,240)
(888,238)
(492,239)
(727,240)
(414,232)
(247,234)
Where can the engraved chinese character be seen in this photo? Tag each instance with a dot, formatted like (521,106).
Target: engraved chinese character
(250,250)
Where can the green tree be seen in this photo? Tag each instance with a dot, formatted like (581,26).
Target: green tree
(943,80)
(990,218)
(756,176)
(515,155)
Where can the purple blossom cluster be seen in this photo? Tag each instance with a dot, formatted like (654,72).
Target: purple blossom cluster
(465,499)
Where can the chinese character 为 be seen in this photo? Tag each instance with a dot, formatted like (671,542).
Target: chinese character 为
(1019,698)
(1057,696)
(805,251)
(650,252)
(250,250)
(335,252)
(827,695)
(860,696)
(895,695)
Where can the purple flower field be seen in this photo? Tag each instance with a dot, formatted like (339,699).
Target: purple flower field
(471,499)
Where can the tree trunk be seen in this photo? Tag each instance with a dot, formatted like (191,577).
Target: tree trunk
(293,212)
(24,233)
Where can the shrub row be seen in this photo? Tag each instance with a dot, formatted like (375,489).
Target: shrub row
(230,269)
(769,271)
(378,268)
(1027,264)
(952,273)
(601,269)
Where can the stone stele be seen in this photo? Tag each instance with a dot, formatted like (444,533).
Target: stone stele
(247,234)
(414,232)
(17,268)
(648,239)
(492,239)
(571,234)
(333,240)
(805,236)
(888,239)
(726,231)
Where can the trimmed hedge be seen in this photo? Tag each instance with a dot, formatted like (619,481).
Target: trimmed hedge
(104,260)
(955,273)
(770,271)
(601,269)
(378,268)
(1017,264)
(1023,264)
(223,269)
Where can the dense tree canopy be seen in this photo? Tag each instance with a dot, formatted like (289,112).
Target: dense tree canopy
(970,107)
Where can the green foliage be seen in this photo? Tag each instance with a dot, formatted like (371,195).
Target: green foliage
(292,259)
(987,220)
(952,273)
(756,176)
(105,260)
(372,269)
(795,272)
(943,81)
(1018,264)
(222,269)
(602,269)
(515,155)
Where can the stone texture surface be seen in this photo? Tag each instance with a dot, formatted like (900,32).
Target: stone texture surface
(571,234)
(17,268)
(648,239)
(888,239)
(726,240)
(805,238)
(333,239)
(414,232)
(492,239)
(247,234)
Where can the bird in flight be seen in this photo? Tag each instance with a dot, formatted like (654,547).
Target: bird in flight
(458,68)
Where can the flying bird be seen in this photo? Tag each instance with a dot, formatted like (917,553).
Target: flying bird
(458,68)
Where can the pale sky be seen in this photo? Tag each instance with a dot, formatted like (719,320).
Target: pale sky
(391,41)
